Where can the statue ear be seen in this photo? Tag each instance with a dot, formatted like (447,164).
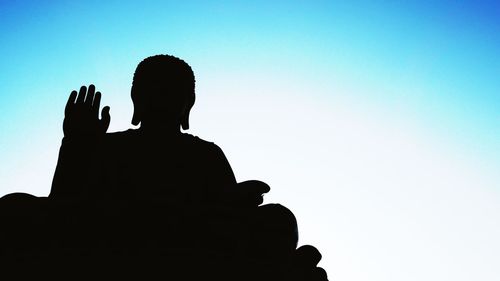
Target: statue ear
(136,118)
(186,111)
(185,120)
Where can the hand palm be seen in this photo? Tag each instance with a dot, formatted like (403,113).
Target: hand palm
(82,114)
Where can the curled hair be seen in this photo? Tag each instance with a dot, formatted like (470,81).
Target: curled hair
(162,68)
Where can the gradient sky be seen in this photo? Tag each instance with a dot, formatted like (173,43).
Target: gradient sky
(376,122)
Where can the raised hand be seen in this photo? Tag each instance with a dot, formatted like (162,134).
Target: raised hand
(82,114)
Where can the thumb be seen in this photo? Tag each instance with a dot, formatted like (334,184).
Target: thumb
(105,118)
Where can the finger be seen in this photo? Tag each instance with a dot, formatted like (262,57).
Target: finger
(106,119)
(254,186)
(96,104)
(81,95)
(71,102)
(90,96)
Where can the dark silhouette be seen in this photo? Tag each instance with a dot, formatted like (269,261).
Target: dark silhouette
(152,201)
(154,162)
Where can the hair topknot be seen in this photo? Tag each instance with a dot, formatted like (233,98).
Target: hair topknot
(157,67)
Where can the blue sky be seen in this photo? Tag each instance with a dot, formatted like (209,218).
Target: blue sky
(382,115)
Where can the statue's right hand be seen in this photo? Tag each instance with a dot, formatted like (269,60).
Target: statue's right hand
(82,114)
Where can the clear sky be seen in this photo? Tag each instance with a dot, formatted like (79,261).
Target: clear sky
(376,122)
